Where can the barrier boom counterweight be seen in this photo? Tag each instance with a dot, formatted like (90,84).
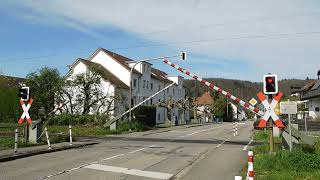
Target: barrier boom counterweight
(214,87)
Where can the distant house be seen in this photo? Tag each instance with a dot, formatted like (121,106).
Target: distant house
(238,113)
(204,104)
(146,81)
(311,93)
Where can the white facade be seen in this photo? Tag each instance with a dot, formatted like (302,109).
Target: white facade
(314,107)
(145,83)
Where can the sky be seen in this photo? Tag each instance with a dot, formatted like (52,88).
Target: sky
(242,39)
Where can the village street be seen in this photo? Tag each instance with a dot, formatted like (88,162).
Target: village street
(202,152)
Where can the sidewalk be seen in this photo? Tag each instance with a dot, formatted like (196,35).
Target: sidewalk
(7,155)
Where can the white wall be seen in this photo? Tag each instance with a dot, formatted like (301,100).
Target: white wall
(105,86)
(313,104)
(113,66)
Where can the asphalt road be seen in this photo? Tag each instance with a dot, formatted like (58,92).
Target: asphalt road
(203,152)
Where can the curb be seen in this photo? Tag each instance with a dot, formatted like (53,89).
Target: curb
(45,151)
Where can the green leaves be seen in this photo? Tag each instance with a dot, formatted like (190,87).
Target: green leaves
(43,86)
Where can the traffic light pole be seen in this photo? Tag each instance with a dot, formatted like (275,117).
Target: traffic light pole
(271,144)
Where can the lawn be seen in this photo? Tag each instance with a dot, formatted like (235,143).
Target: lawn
(302,163)
(60,133)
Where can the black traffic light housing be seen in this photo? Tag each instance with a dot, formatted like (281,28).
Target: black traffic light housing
(24,93)
(183,55)
(270,84)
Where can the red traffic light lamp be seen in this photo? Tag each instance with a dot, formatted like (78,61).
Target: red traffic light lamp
(270,84)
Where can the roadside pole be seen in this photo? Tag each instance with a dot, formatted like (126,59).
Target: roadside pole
(305,122)
(289,107)
(270,97)
(15,142)
(290,133)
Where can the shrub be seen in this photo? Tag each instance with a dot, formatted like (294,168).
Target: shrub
(74,119)
(134,126)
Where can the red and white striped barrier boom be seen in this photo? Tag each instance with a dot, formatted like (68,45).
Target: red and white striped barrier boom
(250,165)
(214,87)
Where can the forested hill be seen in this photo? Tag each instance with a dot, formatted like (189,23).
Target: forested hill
(243,89)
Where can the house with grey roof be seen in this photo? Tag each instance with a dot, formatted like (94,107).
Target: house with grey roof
(311,93)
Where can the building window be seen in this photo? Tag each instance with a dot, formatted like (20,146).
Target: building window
(317,109)
(147,84)
(173,91)
(151,86)
(134,100)
(151,101)
(168,90)
(144,83)
(159,87)
(144,67)
(158,116)
(134,83)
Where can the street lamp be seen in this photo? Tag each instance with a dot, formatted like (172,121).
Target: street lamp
(183,56)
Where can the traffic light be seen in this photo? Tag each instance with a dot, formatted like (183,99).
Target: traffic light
(270,84)
(24,93)
(183,55)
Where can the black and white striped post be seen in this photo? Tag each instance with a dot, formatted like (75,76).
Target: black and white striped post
(236,128)
(15,142)
(70,133)
(48,140)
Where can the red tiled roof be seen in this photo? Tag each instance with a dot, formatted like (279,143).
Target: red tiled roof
(204,99)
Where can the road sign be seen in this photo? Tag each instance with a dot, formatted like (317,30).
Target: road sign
(270,110)
(253,101)
(25,113)
(288,107)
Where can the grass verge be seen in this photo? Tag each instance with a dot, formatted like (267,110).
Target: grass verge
(60,133)
(302,163)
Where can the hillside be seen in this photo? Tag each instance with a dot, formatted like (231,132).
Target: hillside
(243,89)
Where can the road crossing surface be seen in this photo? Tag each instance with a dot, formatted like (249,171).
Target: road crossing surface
(203,152)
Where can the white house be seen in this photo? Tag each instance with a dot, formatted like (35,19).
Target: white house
(238,113)
(311,93)
(146,81)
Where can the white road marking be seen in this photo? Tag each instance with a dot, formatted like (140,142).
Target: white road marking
(135,172)
(94,162)
(196,132)
(245,148)
(222,143)
(179,131)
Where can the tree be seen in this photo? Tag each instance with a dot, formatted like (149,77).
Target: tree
(84,93)
(9,103)
(219,109)
(43,86)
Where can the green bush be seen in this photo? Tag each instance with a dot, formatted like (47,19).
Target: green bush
(74,119)
(261,135)
(134,126)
